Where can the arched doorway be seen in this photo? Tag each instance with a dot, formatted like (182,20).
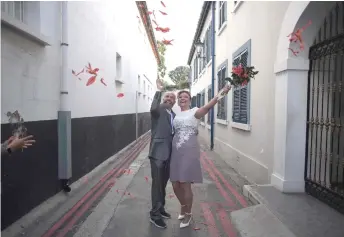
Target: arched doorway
(324,166)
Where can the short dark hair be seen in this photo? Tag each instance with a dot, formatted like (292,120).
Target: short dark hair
(186,92)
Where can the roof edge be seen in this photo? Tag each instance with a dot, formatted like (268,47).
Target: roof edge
(143,10)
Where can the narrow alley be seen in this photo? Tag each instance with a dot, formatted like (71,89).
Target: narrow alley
(99,98)
(116,202)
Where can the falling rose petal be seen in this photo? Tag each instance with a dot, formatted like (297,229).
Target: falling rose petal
(120,95)
(167,42)
(102,81)
(163,4)
(77,74)
(155,23)
(91,80)
(157,28)
(293,51)
(150,13)
(146,178)
(196,228)
(164,13)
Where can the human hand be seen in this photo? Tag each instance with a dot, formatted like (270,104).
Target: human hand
(227,88)
(159,84)
(15,143)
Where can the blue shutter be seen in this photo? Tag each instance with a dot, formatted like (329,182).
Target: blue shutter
(240,95)
(209,99)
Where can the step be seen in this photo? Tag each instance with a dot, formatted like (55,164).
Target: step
(258,221)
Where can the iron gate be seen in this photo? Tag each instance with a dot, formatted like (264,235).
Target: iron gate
(324,171)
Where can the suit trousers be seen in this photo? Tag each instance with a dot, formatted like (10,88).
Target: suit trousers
(160,171)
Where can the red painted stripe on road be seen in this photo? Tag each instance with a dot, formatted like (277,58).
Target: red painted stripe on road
(87,206)
(217,183)
(209,220)
(226,223)
(239,197)
(62,220)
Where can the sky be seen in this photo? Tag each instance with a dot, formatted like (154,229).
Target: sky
(182,17)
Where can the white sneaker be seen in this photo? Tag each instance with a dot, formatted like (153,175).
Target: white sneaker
(181,217)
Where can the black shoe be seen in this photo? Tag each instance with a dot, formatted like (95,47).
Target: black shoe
(165,215)
(159,223)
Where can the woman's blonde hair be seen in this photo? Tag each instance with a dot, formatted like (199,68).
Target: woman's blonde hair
(182,92)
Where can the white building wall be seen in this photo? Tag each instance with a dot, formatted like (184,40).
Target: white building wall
(249,149)
(98,42)
(30,72)
(30,77)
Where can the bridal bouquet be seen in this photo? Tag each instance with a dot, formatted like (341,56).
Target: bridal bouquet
(241,76)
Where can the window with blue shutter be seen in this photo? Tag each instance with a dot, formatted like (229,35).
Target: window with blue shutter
(241,94)
(198,104)
(222,104)
(202,103)
(193,102)
(209,99)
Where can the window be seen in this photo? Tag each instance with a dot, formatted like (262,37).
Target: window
(198,103)
(222,104)
(138,83)
(241,106)
(14,9)
(195,69)
(209,99)
(118,66)
(207,44)
(193,102)
(202,103)
(144,87)
(222,13)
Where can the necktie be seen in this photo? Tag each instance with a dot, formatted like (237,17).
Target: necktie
(172,123)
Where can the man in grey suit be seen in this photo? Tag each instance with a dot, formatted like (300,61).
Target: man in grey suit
(160,152)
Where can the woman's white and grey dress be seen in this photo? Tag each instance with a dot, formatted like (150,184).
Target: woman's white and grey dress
(185,157)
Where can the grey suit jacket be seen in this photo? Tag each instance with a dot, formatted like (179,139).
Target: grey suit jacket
(161,130)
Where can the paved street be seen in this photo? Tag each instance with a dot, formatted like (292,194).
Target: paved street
(120,206)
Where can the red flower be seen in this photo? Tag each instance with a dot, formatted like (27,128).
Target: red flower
(120,95)
(238,70)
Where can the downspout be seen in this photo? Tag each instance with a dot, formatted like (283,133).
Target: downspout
(64,113)
(212,73)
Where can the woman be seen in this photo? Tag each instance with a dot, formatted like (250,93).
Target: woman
(185,167)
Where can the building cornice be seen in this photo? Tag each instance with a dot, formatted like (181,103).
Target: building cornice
(201,21)
(143,10)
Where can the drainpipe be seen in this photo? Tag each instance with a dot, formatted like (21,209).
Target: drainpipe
(136,115)
(64,113)
(212,74)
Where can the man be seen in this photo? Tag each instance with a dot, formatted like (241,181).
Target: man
(160,152)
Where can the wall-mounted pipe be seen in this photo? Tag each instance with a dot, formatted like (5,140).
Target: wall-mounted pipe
(212,72)
(64,113)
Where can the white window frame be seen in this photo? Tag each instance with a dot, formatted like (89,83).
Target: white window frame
(222,121)
(28,23)
(222,7)
(246,47)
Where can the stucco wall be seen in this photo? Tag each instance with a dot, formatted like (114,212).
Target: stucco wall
(249,152)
